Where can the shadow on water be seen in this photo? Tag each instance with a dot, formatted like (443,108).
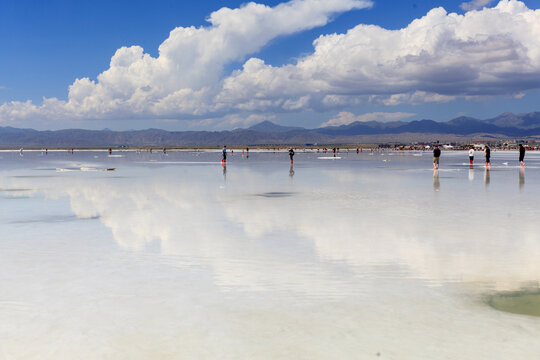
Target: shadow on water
(54,219)
(276,194)
(15,190)
(523,302)
(33,176)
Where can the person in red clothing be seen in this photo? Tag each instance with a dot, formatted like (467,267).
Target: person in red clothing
(291,154)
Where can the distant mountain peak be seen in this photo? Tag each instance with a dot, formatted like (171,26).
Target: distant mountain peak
(268,126)
(265,123)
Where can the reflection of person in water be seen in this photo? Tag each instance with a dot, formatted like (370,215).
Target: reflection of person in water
(521,178)
(436,183)
(521,155)
(291,171)
(487,177)
(224,171)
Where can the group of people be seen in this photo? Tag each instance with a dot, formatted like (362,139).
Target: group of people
(224,153)
(436,155)
(487,154)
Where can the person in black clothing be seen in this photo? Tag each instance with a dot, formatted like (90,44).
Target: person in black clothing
(291,154)
(521,155)
(436,156)
(487,152)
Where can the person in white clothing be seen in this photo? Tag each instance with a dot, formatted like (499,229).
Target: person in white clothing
(471,156)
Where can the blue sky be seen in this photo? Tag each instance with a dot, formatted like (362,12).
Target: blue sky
(45,47)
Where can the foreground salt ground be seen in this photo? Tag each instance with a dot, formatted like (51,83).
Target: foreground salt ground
(173,256)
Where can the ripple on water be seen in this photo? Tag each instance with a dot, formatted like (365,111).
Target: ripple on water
(524,302)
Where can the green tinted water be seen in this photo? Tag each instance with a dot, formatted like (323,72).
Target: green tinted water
(517,302)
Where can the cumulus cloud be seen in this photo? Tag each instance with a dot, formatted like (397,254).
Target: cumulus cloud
(185,75)
(416,98)
(345,117)
(436,58)
(474,4)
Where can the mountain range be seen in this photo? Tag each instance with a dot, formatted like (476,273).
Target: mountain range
(461,129)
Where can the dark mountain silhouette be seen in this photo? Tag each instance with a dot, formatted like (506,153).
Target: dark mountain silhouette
(463,129)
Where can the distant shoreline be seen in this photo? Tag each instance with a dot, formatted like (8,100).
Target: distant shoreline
(283,148)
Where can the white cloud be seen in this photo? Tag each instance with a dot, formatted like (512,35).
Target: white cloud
(345,118)
(414,98)
(436,58)
(185,76)
(474,4)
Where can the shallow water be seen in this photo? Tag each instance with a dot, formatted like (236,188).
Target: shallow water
(172,256)
(517,302)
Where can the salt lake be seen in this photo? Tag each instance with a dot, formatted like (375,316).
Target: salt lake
(174,256)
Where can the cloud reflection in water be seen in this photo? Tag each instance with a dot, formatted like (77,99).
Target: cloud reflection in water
(292,234)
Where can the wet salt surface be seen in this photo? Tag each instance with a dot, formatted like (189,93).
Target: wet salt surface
(173,256)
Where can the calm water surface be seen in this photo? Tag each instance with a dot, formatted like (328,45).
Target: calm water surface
(172,256)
